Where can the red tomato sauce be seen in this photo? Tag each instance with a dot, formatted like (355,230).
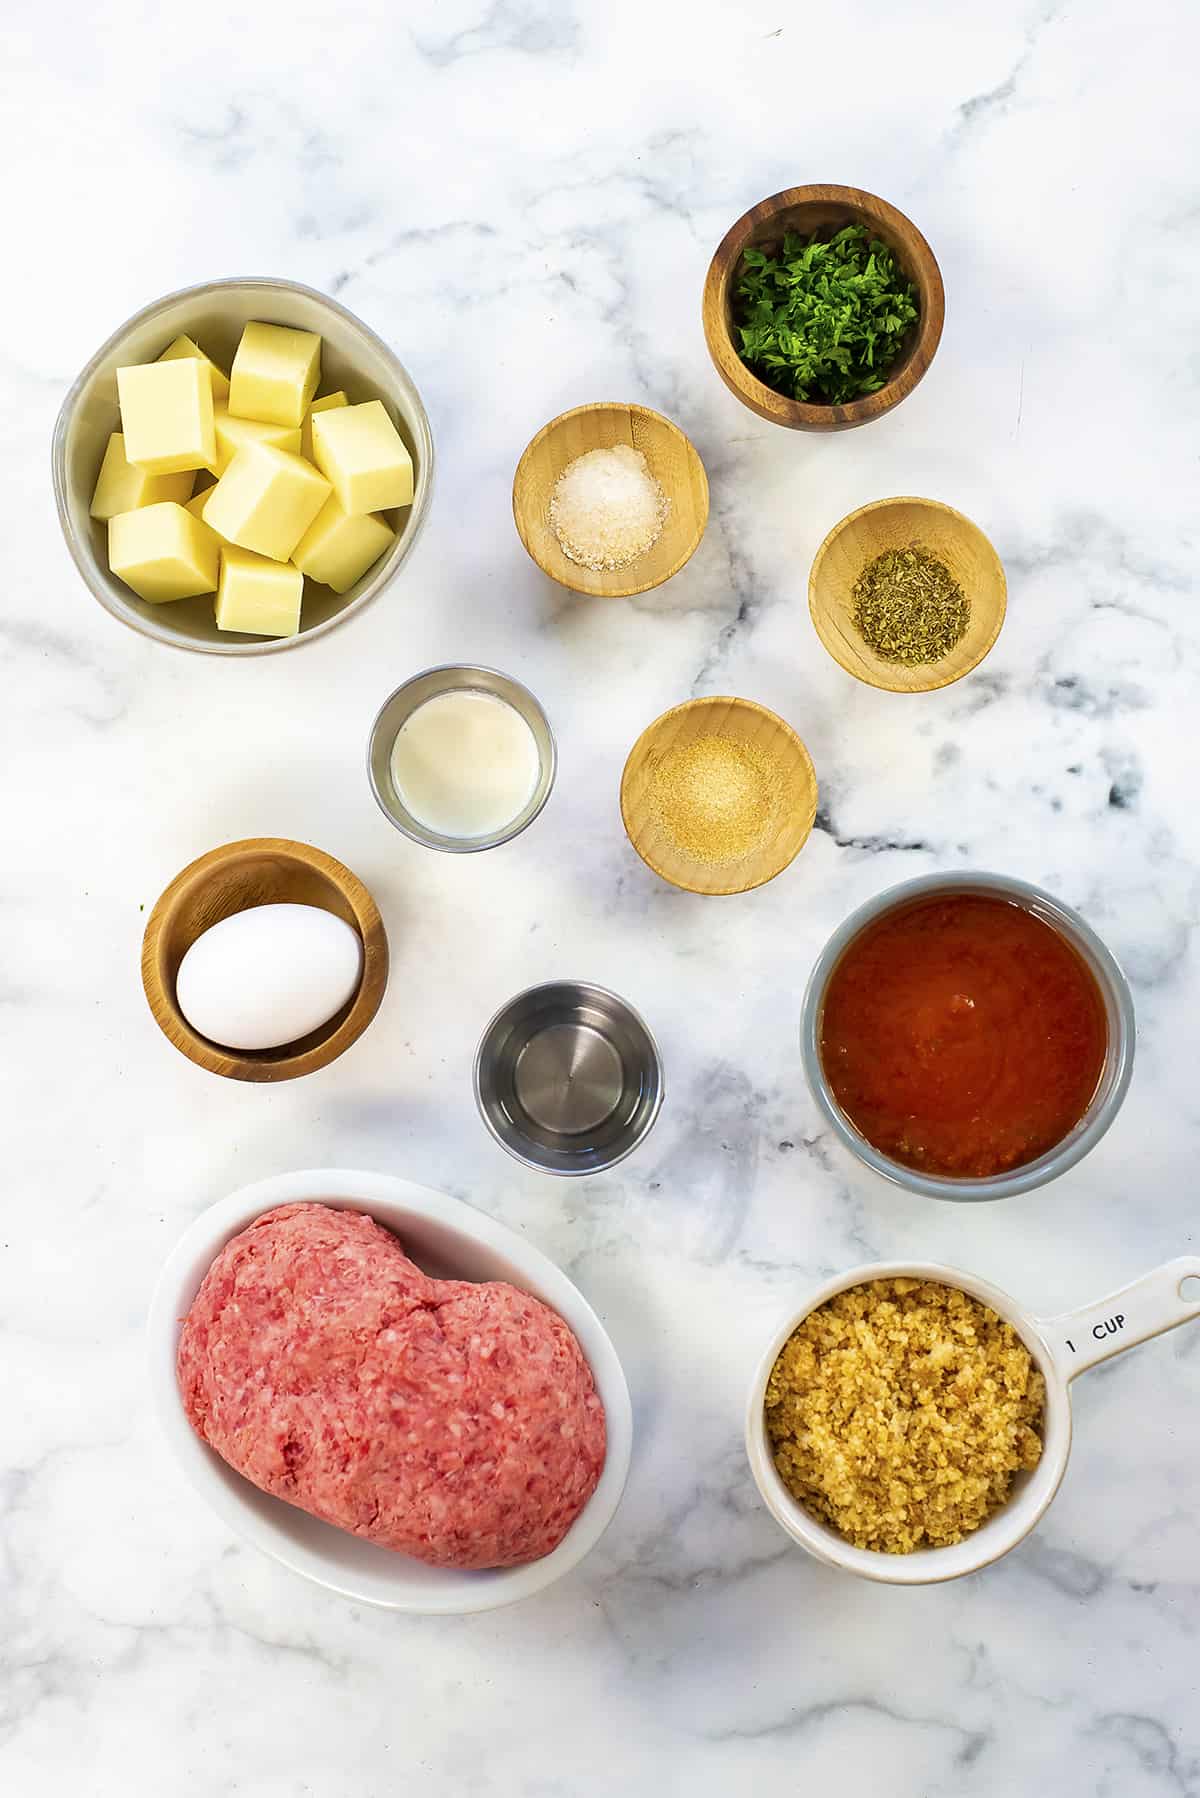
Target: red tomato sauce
(962,1035)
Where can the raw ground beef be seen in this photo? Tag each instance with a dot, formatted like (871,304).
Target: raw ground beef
(454,1421)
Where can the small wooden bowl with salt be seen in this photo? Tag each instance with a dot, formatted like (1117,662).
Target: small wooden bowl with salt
(607,509)
(718,795)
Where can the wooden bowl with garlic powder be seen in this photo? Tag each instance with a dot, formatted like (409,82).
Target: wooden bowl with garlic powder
(718,795)
(610,525)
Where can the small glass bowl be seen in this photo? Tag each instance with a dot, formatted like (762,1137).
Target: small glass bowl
(1110,1089)
(456,678)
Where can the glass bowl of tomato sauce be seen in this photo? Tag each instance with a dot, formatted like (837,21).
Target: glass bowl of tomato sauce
(968,1035)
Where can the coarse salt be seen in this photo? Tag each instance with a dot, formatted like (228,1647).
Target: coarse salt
(716,799)
(607,509)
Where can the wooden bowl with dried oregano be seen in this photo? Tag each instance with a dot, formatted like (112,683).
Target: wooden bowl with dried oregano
(907,595)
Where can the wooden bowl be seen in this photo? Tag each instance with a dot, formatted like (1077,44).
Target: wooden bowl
(809,211)
(237,877)
(743,722)
(673,463)
(895,524)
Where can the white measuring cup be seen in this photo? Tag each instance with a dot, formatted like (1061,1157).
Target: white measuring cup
(1061,1346)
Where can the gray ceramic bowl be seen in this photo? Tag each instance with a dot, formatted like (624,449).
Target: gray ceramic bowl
(568,1078)
(1114,1079)
(456,677)
(352,357)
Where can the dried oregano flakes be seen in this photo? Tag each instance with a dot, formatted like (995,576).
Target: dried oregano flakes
(909,608)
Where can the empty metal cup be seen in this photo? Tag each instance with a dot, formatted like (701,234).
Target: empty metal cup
(568,1078)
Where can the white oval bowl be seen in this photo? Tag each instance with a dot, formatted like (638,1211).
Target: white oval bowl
(446,1238)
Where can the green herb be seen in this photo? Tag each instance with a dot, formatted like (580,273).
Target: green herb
(823,321)
(909,608)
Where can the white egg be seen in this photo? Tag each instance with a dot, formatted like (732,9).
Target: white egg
(268,976)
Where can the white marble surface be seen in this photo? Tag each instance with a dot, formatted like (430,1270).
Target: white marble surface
(523,197)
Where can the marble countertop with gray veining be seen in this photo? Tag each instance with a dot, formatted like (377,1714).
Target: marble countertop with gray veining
(522,196)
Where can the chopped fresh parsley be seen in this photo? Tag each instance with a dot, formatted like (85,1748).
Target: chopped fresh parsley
(823,320)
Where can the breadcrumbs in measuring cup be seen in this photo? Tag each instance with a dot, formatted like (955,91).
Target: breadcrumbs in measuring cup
(901,1411)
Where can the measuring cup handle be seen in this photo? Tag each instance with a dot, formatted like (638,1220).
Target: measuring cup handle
(1144,1308)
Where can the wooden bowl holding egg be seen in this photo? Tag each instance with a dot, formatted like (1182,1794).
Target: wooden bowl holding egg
(239,877)
(897,524)
(672,462)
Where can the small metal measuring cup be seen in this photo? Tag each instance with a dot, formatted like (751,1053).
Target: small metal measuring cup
(1061,1347)
(568,1078)
(456,677)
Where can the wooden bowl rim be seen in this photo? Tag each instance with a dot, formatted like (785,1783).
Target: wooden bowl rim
(932,505)
(776,407)
(701,702)
(267,1065)
(631,408)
